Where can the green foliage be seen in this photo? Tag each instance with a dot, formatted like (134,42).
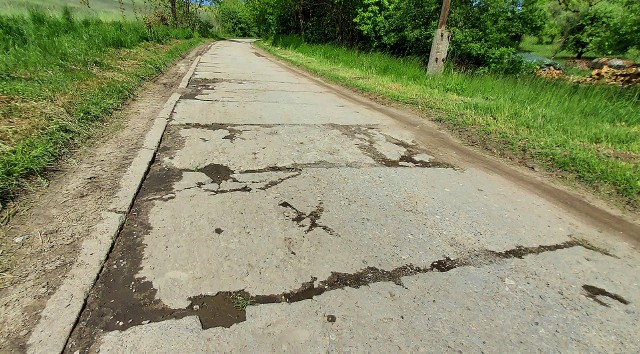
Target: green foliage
(241,302)
(31,45)
(486,33)
(602,27)
(317,21)
(103,9)
(235,18)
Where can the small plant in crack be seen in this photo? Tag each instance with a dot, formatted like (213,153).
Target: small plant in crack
(241,302)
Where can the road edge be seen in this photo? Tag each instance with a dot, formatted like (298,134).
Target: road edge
(58,318)
(600,216)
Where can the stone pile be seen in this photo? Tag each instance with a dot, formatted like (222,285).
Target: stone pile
(550,72)
(614,71)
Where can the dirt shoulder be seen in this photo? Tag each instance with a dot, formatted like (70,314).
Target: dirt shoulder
(43,231)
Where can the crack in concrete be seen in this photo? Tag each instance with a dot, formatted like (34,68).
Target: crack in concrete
(276,182)
(160,181)
(123,301)
(198,87)
(407,159)
(247,101)
(362,133)
(312,217)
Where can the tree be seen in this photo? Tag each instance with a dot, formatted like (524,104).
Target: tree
(235,18)
(603,27)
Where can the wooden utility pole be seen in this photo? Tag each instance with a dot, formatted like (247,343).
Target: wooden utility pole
(440,44)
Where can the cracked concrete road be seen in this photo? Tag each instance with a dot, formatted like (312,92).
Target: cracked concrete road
(281,217)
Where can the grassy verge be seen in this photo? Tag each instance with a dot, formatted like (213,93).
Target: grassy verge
(105,9)
(584,134)
(60,76)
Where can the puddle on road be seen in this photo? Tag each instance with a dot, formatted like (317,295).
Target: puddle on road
(220,310)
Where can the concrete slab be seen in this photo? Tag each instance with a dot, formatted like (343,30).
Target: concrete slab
(253,238)
(197,112)
(278,217)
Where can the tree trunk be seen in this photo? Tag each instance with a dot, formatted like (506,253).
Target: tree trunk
(301,18)
(188,12)
(174,12)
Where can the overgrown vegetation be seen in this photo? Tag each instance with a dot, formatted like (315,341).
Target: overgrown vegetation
(603,27)
(485,33)
(589,134)
(233,18)
(60,75)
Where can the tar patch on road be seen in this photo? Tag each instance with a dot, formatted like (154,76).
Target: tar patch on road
(594,292)
(308,221)
(120,300)
(198,87)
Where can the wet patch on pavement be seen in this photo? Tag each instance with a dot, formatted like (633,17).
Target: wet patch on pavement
(218,173)
(232,132)
(121,300)
(413,155)
(221,310)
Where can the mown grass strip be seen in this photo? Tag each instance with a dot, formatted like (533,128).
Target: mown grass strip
(584,134)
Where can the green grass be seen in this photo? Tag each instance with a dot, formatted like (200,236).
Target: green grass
(104,9)
(588,134)
(241,302)
(59,77)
